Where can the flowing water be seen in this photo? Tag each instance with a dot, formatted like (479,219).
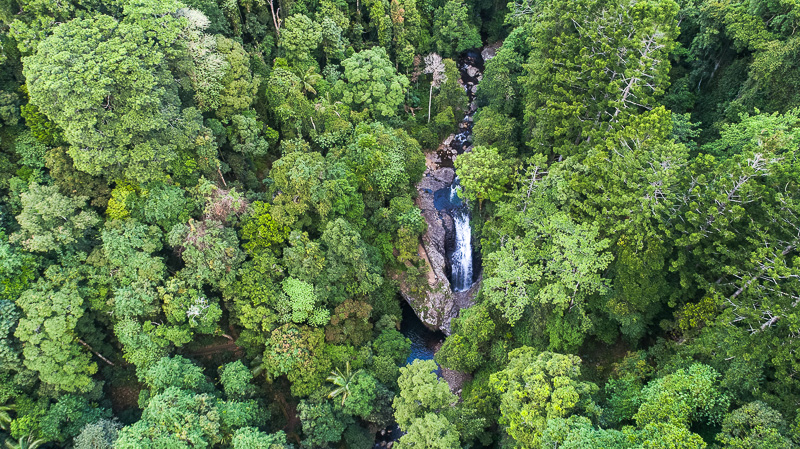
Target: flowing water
(462,272)
(461,259)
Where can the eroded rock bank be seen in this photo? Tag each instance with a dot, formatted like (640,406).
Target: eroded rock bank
(433,305)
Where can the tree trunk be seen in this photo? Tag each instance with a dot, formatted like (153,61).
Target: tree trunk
(275,18)
(430,97)
(95,352)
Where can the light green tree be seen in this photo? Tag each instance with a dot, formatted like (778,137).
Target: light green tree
(293,110)
(164,205)
(141,344)
(304,187)
(300,304)
(386,162)
(49,220)
(466,348)
(557,266)
(252,438)
(421,394)
(300,36)
(52,345)
(431,431)
(537,387)
(236,380)
(174,418)
(183,410)
(188,308)
(297,352)
(128,245)
(177,372)
(408,31)
(495,129)
(65,419)
(239,85)
(686,396)
(220,72)
(483,174)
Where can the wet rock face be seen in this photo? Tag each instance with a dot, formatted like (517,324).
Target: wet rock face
(434,306)
(449,237)
(490,51)
(439,305)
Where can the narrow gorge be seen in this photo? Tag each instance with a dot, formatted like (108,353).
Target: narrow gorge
(453,268)
(452,260)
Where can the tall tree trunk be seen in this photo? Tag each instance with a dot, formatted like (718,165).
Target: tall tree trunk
(275,18)
(430,97)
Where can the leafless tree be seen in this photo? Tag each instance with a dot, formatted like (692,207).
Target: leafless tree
(435,66)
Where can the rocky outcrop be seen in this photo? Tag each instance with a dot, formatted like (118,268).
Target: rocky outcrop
(463,300)
(473,72)
(437,306)
(490,51)
(434,305)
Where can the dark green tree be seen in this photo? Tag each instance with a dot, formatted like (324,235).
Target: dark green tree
(454,32)
(90,73)
(371,83)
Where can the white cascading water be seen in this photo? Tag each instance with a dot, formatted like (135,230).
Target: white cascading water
(461,260)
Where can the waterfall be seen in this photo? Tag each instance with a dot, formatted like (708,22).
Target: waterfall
(461,259)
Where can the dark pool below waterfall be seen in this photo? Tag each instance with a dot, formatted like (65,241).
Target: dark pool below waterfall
(423,347)
(423,340)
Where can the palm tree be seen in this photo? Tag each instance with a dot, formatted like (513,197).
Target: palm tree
(24,443)
(309,79)
(5,417)
(342,382)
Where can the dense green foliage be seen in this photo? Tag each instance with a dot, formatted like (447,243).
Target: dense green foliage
(208,208)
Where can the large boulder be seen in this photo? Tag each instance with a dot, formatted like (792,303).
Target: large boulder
(490,51)
(434,303)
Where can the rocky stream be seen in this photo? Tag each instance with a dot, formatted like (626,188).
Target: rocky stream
(453,263)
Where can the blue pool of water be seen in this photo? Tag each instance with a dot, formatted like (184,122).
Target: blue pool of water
(423,340)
